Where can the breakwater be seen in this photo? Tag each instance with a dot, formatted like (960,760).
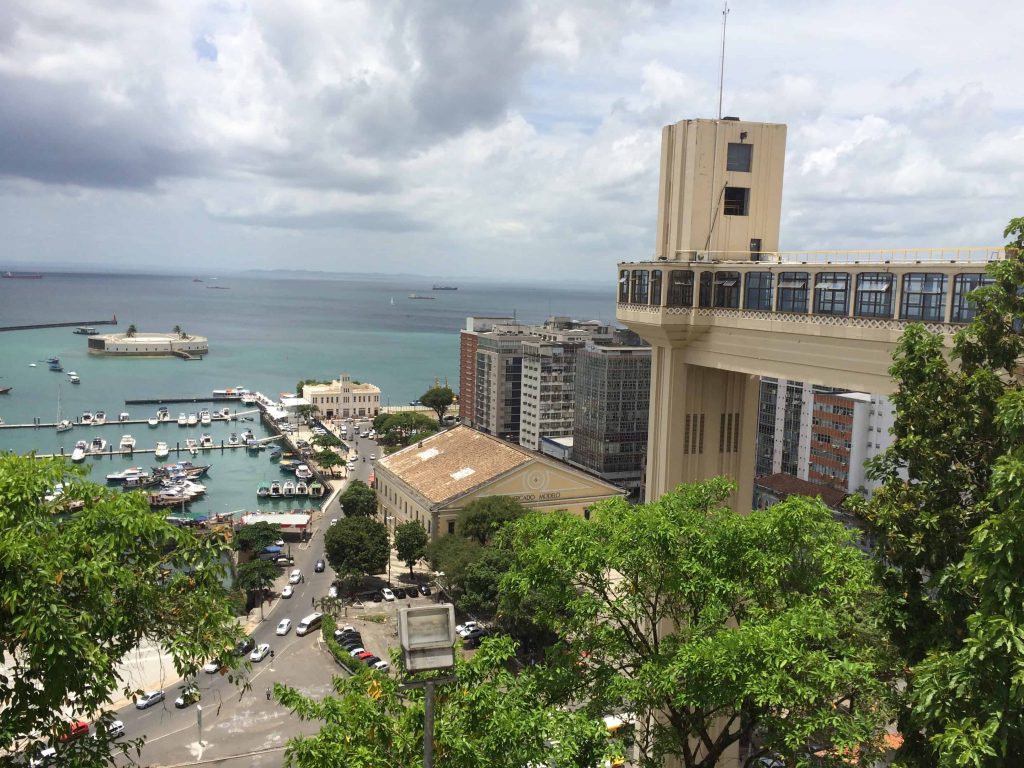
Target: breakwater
(75,324)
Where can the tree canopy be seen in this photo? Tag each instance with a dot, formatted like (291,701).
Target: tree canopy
(256,537)
(439,399)
(947,521)
(405,428)
(410,542)
(83,580)
(762,627)
(357,546)
(483,518)
(329,460)
(359,500)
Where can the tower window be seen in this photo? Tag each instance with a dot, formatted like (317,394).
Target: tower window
(739,157)
(737,201)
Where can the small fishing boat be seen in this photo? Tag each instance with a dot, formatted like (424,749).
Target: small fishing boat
(142,481)
(275,453)
(288,489)
(192,420)
(192,445)
(288,465)
(99,418)
(74,378)
(98,445)
(233,439)
(206,441)
(316,489)
(127,444)
(182,420)
(263,490)
(153,421)
(81,447)
(86,419)
(64,425)
(303,472)
(5,390)
(161,450)
(275,490)
(54,364)
(301,489)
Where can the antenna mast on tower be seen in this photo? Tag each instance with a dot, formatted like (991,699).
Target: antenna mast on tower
(721,60)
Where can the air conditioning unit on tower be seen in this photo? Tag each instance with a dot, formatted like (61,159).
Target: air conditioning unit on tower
(700,256)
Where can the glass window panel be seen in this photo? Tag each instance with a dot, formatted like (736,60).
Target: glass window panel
(963,309)
(739,157)
(924,297)
(831,293)
(680,288)
(623,286)
(758,293)
(792,292)
(706,279)
(639,291)
(874,297)
(727,290)
(656,287)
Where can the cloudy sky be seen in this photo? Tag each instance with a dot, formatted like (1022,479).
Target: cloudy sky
(470,138)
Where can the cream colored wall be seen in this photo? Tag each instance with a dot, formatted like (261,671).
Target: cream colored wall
(693,162)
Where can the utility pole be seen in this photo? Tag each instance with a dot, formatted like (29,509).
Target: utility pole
(721,60)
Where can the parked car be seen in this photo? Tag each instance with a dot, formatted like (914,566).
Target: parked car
(284,626)
(188,697)
(114,729)
(364,655)
(369,660)
(377,597)
(424,589)
(319,566)
(212,666)
(399,593)
(388,595)
(373,457)
(412,592)
(288,591)
(464,629)
(382,666)
(147,700)
(295,577)
(472,638)
(76,730)
(356,651)
(260,652)
(43,756)
(244,646)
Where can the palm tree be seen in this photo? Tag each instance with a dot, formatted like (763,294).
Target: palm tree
(179,332)
(257,576)
(131,331)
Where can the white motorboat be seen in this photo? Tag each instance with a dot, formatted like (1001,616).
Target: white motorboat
(233,439)
(124,474)
(204,417)
(182,420)
(247,436)
(263,490)
(275,490)
(64,425)
(224,413)
(99,418)
(153,421)
(127,443)
(161,450)
(288,489)
(124,416)
(74,378)
(86,419)
(301,489)
(303,472)
(206,441)
(162,414)
(98,445)
(193,419)
(80,450)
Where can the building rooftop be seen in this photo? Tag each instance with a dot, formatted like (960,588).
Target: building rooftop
(455,462)
(788,485)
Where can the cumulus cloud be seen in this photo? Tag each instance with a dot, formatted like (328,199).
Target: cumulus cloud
(470,136)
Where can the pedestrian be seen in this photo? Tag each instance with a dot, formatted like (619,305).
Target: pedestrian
(268,694)
(312,602)
(271,653)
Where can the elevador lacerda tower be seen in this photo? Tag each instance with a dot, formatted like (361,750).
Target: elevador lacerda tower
(722,305)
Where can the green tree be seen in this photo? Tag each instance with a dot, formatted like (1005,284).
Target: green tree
(723,626)
(439,399)
(411,542)
(132,330)
(304,412)
(255,577)
(327,440)
(83,580)
(329,460)
(483,518)
(489,716)
(946,522)
(359,500)
(256,537)
(356,546)
(405,428)
(179,332)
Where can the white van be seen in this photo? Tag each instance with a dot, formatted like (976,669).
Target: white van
(308,624)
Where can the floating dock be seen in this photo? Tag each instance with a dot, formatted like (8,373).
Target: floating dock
(172,422)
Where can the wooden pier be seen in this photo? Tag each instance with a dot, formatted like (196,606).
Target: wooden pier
(113,451)
(174,422)
(76,324)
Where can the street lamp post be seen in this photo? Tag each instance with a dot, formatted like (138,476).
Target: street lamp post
(388,520)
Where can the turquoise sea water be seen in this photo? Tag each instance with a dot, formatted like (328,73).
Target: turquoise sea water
(265,334)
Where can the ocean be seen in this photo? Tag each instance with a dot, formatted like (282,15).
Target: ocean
(266,332)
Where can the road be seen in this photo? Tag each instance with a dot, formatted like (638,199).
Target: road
(243,727)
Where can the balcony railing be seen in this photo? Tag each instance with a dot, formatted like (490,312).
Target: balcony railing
(874,256)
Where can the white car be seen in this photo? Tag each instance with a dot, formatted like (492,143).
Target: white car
(287,592)
(388,594)
(212,666)
(373,457)
(469,626)
(334,520)
(114,728)
(356,651)
(296,577)
(381,666)
(279,543)
(284,626)
(260,652)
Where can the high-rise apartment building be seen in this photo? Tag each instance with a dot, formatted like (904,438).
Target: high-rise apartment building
(467,360)
(613,388)
(547,394)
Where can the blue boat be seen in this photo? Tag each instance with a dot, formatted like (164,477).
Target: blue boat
(54,364)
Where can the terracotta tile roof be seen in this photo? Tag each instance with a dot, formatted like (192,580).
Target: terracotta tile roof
(452,463)
(787,485)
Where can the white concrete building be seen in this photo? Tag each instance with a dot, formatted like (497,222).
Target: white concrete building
(343,398)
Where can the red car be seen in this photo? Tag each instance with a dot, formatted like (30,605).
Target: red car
(363,655)
(76,730)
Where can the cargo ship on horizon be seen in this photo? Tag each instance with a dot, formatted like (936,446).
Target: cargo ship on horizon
(23,275)
(445,288)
